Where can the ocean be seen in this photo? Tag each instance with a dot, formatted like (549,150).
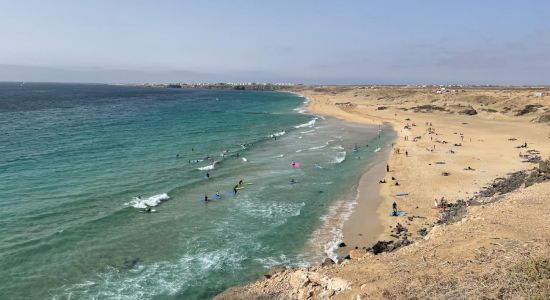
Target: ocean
(80,163)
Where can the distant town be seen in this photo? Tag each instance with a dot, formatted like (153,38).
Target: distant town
(225,85)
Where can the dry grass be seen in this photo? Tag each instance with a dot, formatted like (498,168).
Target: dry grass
(528,278)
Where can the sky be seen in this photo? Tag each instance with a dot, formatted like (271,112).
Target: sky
(313,42)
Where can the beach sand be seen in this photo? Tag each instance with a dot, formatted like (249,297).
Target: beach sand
(485,147)
(458,141)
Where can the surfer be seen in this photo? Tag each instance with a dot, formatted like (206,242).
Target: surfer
(240,182)
(235,190)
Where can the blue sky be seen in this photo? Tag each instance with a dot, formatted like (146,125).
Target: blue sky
(424,41)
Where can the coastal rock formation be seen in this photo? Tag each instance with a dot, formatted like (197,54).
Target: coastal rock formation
(470,111)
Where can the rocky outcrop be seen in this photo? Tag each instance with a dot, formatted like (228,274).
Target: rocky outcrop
(470,111)
(540,174)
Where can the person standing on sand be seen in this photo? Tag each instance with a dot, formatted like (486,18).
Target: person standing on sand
(394,206)
(387,168)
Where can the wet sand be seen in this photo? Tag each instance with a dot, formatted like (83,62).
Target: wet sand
(363,226)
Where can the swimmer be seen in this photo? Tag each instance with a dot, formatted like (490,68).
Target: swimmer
(217,196)
(206,198)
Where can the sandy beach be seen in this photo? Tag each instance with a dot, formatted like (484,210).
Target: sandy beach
(451,144)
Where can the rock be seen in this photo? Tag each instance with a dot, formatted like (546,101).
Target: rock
(276,269)
(423,231)
(327,262)
(528,109)
(470,111)
(335,284)
(304,294)
(298,279)
(342,244)
(381,246)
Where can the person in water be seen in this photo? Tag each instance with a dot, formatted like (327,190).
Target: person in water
(206,198)
(240,182)
(235,190)
(207,175)
(292,181)
(217,196)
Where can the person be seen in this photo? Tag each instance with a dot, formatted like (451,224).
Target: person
(206,198)
(207,175)
(240,182)
(383,180)
(217,196)
(178,155)
(387,168)
(406,153)
(396,183)
(399,228)
(392,178)
(293,164)
(292,181)
(394,206)
(235,190)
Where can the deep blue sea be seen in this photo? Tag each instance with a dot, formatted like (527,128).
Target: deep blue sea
(80,163)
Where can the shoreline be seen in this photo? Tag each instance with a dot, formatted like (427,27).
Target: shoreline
(453,146)
(363,227)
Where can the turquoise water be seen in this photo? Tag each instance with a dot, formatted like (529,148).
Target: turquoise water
(74,158)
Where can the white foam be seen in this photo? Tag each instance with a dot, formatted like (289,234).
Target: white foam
(244,159)
(319,147)
(276,134)
(308,124)
(275,212)
(280,156)
(206,168)
(169,277)
(307,131)
(145,202)
(340,157)
(330,234)
(303,109)
(339,147)
(377,149)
